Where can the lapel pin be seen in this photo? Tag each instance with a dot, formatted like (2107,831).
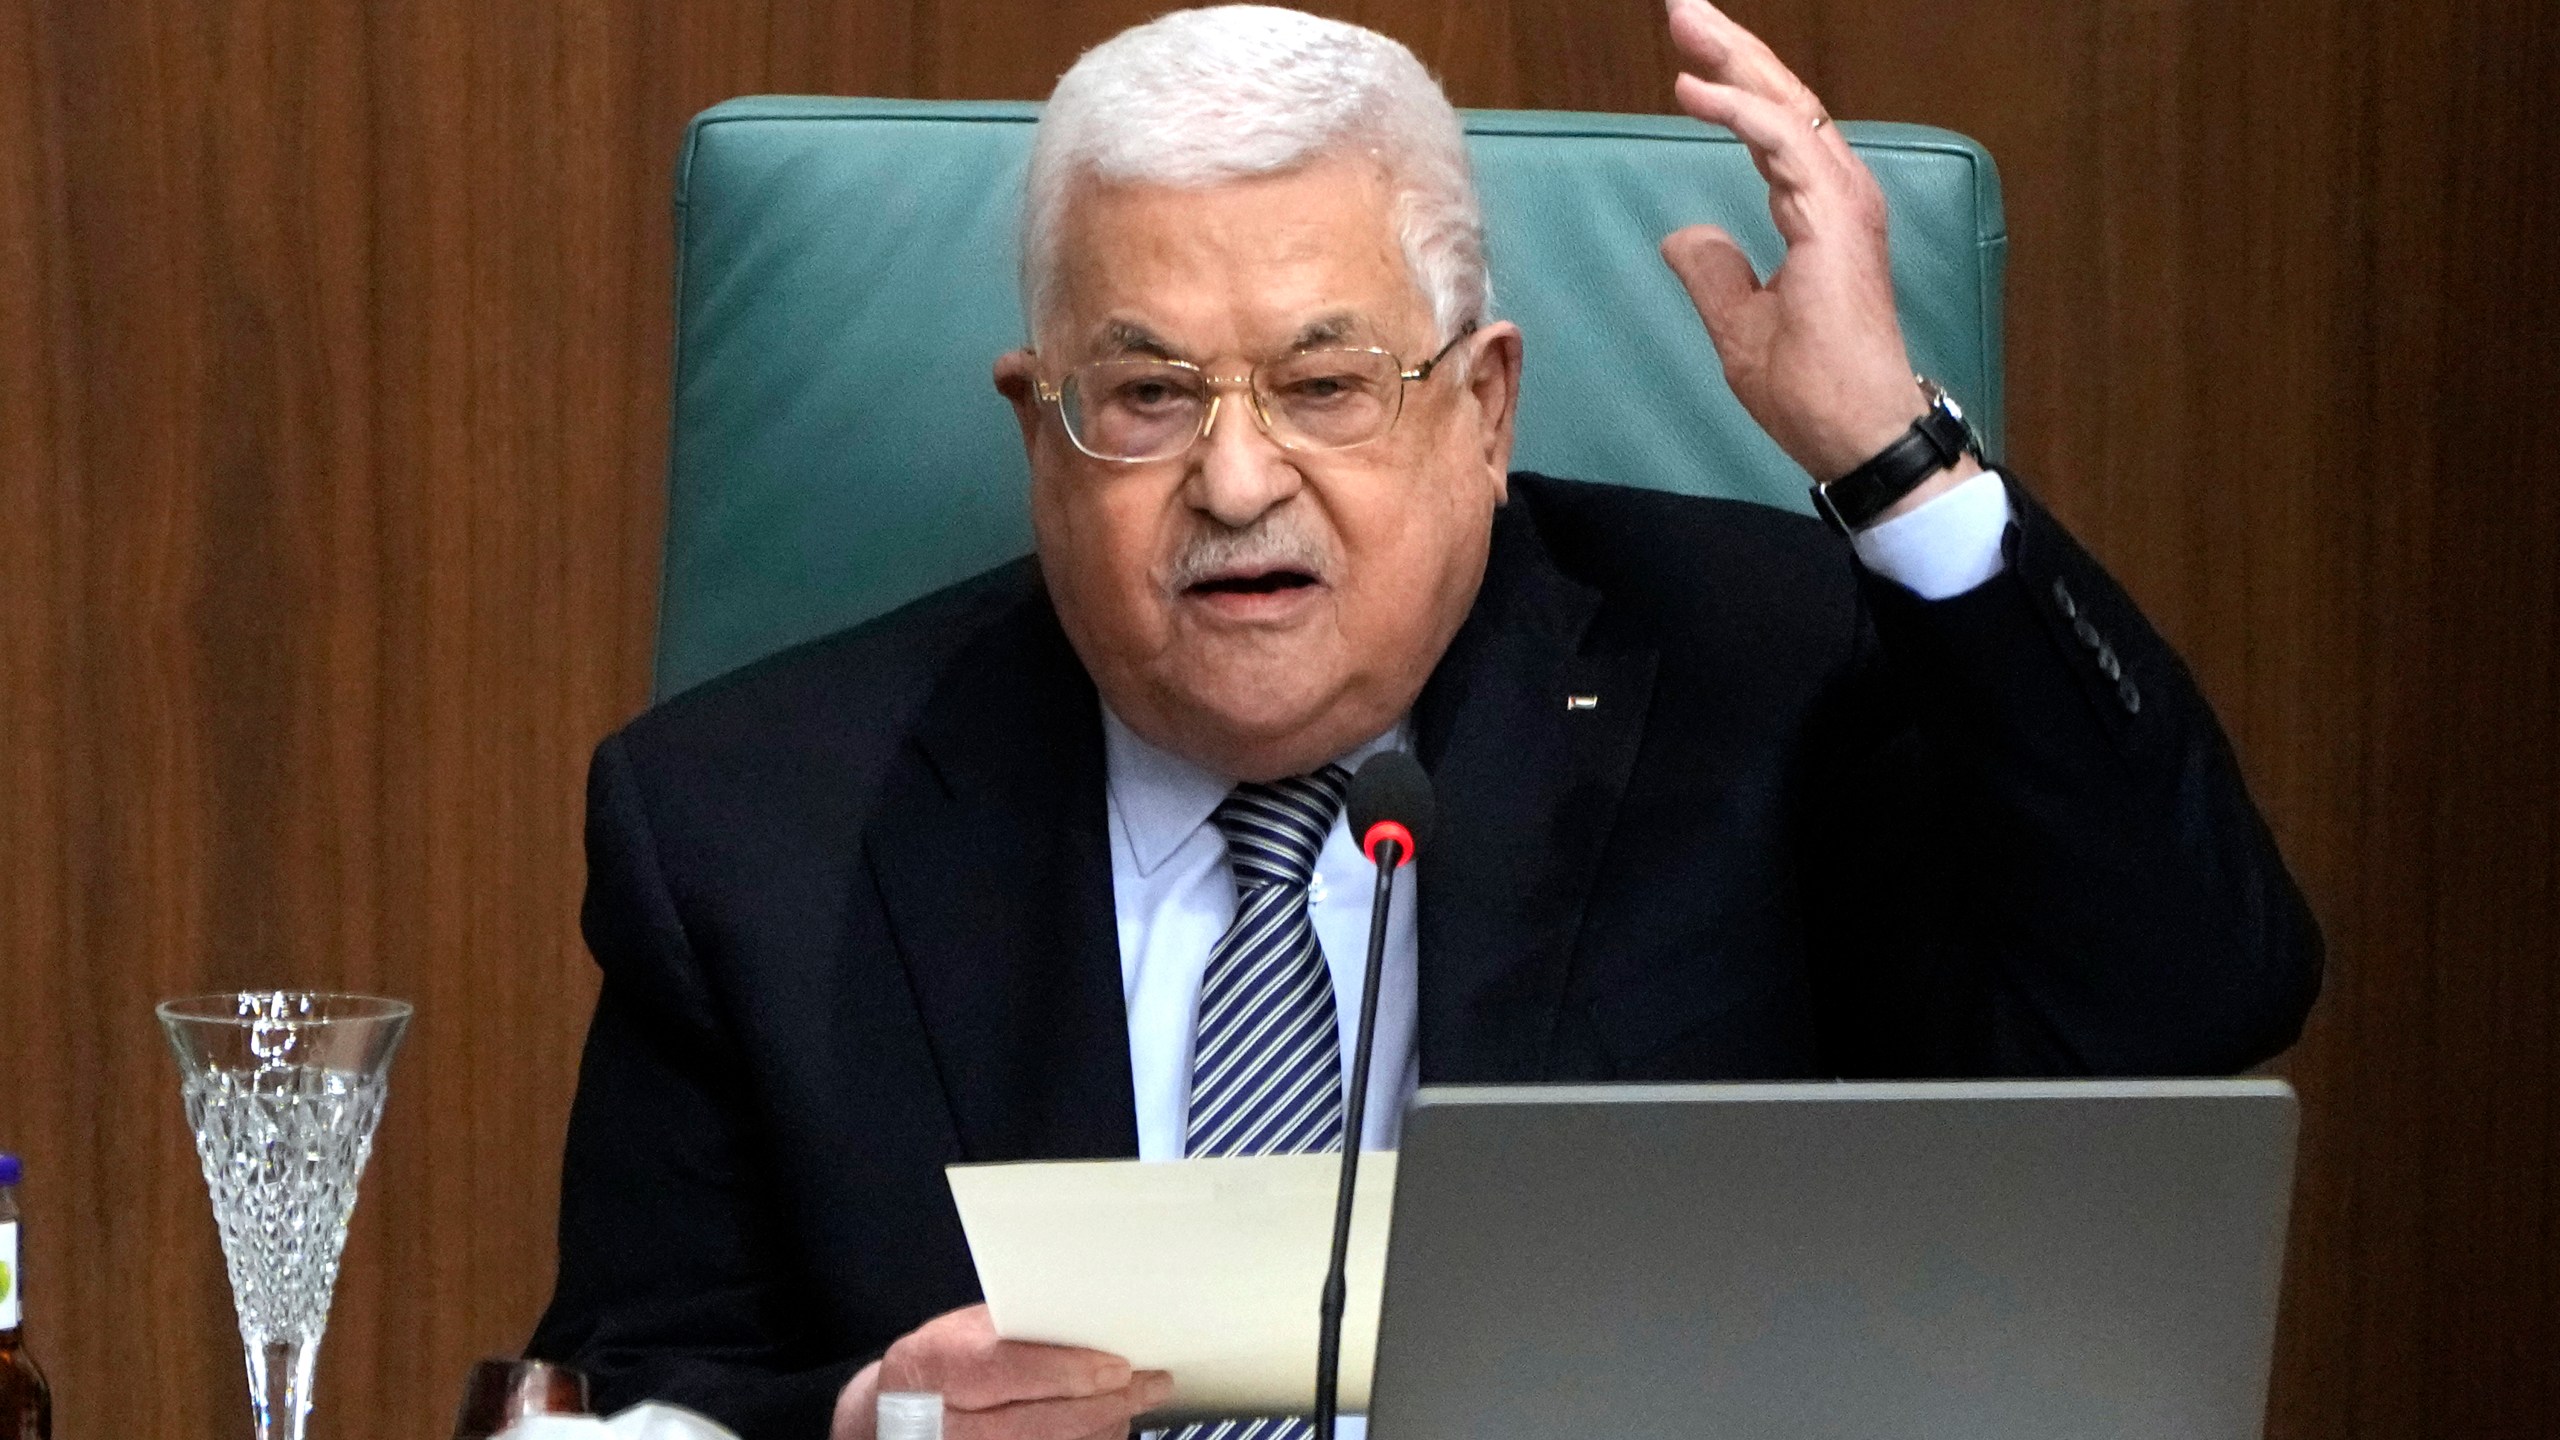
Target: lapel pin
(1582,702)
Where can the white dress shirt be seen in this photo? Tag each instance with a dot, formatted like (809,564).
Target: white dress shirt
(1173,896)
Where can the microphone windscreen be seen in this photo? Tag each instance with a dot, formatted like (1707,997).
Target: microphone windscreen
(1390,785)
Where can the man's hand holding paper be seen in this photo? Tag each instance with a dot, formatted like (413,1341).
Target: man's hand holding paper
(1208,1268)
(998,1389)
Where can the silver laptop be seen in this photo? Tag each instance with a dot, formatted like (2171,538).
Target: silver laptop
(2001,1261)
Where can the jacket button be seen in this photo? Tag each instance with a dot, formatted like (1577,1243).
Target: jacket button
(2108,665)
(2131,697)
(2063,602)
(2088,634)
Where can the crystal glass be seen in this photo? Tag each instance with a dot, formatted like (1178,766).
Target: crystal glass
(283,1089)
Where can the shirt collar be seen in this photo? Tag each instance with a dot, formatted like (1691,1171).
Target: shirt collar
(1164,799)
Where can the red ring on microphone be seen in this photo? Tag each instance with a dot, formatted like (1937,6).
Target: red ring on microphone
(1382,832)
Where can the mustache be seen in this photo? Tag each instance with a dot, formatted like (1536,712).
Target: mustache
(1266,545)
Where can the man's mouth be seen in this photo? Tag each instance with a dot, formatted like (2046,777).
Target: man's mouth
(1261,582)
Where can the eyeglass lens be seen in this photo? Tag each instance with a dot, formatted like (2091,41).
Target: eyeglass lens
(1152,409)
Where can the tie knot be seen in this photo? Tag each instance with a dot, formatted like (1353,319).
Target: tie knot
(1274,831)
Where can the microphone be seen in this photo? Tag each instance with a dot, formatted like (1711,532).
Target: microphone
(1391,812)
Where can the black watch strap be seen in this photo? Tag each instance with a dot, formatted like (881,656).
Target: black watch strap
(1936,440)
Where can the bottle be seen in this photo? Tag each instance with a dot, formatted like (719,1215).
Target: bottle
(908,1415)
(26,1406)
(502,1393)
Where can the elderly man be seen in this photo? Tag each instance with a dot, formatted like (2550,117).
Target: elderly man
(1051,864)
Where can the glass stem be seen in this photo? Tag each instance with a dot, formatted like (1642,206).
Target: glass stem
(280,1385)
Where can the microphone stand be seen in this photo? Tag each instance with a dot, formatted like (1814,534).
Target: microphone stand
(1389,855)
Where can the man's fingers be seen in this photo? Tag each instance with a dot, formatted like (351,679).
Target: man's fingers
(960,1356)
(1717,275)
(1012,1371)
(1065,1419)
(1728,54)
(1700,43)
(1763,123)
(1043,1419)
(1804,169)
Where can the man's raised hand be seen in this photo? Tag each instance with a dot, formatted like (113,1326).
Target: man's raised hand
(998,1389)
(1815,352)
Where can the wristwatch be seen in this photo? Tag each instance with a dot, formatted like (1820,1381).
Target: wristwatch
(1936,440)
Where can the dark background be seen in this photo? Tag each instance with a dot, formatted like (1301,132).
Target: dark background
(333,366)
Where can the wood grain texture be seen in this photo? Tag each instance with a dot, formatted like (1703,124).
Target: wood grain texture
(333,346)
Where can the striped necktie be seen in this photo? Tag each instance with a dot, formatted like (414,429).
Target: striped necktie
(1266,1059)
(1266,1063)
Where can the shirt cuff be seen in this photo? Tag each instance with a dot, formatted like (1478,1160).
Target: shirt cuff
(1945,547)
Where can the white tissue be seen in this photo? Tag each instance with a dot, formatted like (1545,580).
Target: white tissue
(649,1420)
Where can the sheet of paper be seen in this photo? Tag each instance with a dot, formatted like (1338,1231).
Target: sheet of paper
(1210,1269)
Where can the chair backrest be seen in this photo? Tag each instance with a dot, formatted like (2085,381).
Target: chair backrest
(845,276)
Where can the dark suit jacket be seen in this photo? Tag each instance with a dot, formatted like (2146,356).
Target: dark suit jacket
(853,903)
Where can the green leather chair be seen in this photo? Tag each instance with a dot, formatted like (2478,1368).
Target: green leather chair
(845,275)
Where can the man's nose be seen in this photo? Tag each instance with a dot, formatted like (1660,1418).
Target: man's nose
(1237,473)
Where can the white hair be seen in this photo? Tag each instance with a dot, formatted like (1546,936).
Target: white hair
(1199,97)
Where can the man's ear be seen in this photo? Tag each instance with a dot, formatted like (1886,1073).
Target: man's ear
(1015,370)
(1493,380)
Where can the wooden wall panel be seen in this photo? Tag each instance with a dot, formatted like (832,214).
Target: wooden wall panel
(332,393)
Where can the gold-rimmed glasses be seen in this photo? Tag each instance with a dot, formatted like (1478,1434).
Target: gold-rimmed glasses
(1134,410)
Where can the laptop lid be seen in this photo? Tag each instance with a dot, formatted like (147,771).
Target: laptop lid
(1973,1261)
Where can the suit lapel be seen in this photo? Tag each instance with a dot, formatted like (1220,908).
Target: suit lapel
(993,863)
(1529,742)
